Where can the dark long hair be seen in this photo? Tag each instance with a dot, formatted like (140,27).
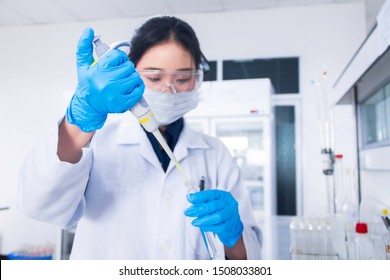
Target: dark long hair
(163,29)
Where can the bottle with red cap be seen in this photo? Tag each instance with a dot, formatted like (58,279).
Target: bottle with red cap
(364,249)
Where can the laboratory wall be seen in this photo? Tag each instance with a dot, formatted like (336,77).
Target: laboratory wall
(37,66)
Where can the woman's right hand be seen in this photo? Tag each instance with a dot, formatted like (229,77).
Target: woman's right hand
(110,86)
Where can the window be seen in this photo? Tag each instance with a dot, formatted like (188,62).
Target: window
(285,160)
(283,72)
(212,74)
(375,118)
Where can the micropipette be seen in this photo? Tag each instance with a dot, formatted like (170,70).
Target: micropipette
(140,110)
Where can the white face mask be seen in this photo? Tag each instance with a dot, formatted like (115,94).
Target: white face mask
(169,107)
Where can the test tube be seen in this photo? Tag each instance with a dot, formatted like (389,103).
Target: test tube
(208,237)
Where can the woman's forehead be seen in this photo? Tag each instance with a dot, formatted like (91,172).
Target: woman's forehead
(166,56)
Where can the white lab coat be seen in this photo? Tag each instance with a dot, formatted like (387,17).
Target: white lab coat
(123,204)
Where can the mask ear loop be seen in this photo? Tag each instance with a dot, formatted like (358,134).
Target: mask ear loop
(204,65)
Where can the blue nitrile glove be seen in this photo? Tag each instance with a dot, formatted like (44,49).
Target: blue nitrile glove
(110,86)
(216,211)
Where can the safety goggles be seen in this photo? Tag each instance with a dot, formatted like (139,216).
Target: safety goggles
(172,81)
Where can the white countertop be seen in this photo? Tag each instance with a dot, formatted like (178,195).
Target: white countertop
(276,237)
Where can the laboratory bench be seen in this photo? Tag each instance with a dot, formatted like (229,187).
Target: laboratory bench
(332,237)
(275,234)
(276,237)
(288,238)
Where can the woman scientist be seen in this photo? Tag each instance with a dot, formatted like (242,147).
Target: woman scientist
(111,179)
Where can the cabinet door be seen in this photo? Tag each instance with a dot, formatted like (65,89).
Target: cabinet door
(249,142)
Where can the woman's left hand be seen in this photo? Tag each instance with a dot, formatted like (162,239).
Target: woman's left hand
(216,211)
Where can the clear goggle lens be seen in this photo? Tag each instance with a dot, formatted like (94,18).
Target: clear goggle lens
(172,81)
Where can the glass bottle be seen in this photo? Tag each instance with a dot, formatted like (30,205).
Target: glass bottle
(363,246)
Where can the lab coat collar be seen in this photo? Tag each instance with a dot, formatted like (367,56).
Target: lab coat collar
(188,140)
(130,132)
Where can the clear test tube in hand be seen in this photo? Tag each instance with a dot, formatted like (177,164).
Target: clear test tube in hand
(208,237)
